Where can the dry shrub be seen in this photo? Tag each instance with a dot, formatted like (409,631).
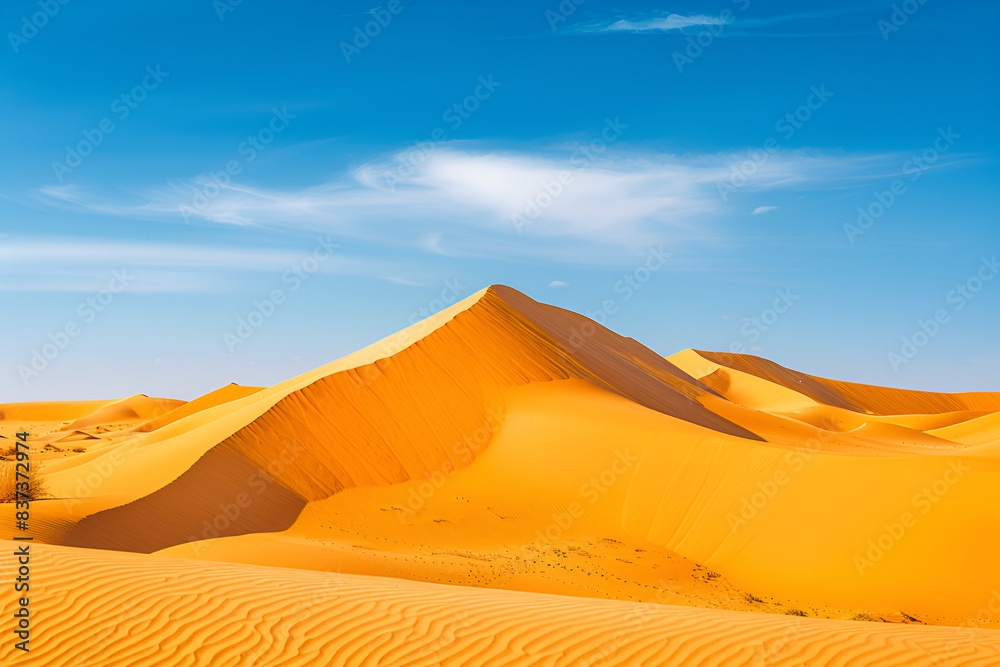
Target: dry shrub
(864,616)
(8,482)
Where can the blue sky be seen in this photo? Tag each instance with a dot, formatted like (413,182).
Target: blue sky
(168,168)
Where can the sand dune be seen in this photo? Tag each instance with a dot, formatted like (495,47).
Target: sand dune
(171,611)
(140,407)
(230,392)
(978,431)
(853,396)
(506,444)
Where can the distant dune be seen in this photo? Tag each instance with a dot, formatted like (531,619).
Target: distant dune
(507,444)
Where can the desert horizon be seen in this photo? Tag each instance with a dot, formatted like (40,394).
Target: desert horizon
(504,460)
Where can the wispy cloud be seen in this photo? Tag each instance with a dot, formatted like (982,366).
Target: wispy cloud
(461,202)
(558,283)
(83,265)
(742,25)
(762,209)
(664,23)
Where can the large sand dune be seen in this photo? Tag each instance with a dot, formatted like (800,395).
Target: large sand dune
(506,444)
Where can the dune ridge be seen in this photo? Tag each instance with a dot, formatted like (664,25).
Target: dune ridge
(854,396)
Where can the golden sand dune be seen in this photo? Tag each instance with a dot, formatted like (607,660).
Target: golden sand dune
(853,396)
(153,611)
(230,392)
(506,444)
(979,431)
(140,407)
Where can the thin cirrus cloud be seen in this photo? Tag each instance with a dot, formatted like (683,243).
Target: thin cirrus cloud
(763,209)
(457,203)
(663,23)
(87,265)
(742,25)
(623,199)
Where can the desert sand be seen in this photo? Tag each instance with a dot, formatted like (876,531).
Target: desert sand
(511,483)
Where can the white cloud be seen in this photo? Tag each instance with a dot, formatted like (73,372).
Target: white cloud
(461,202)
(558,283)
(671,22)
(810,23)
(762,209)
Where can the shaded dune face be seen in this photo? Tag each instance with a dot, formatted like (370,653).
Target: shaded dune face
(410,415)
(221,495)
(622,365)
(852,396)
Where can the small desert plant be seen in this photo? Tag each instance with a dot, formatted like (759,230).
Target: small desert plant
(8,452)
(9,480)
(750,597)
(80,450)
(795,612)
(863,616)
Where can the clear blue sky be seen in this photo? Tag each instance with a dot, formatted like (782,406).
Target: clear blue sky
(202,149)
